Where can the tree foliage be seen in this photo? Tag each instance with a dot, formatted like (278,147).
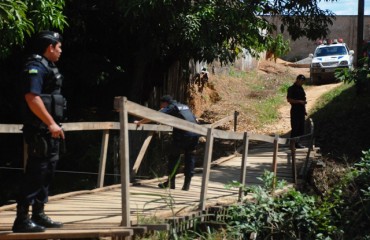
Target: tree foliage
(139,40)
(20,18)
(303,18)
(278,46)
(203,30)
(199,29)
(216,29)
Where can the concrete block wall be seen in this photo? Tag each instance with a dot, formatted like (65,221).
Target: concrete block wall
(344,27)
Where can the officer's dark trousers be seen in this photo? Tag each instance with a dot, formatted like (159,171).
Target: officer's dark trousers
(186,145)
(43,155)
(297,122)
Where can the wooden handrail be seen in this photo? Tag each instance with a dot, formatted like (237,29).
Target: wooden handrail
(11,128)
(171,121)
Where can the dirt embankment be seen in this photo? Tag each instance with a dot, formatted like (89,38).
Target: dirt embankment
(225,94)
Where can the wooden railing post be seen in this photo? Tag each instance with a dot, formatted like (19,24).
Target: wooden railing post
(206,169)
(274,159)
(124,160)
(103,158)
(236,114)
(310,148)
(294,168)
(244,166)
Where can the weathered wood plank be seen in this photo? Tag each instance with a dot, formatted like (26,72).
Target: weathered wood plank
(11,128)
(103,158)
(69,234)
(141,154)
(91,126)
(124,162)
(222,121)
(157,117)
(206,168)
(243,172)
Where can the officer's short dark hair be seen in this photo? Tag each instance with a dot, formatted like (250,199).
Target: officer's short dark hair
(166,98)
(43,39)
(301,77)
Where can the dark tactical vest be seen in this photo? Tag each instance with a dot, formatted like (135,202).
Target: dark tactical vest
(51,95)
(183,111)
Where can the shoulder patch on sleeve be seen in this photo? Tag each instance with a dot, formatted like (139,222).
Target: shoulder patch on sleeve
(33,71)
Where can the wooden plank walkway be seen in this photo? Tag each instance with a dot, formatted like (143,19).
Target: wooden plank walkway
(97,213)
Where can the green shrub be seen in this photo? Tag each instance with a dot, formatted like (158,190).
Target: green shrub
(291,215)
(355,212)
(360,76)
(278,46)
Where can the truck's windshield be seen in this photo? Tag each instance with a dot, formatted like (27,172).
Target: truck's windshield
(332,50)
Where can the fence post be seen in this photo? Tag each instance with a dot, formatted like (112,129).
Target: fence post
(206,169)
(103,158)
(124,160)
(236,114)
(294,168)
(310,148)
(244,165)
(274,159)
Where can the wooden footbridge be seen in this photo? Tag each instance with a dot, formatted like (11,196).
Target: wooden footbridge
(125,210)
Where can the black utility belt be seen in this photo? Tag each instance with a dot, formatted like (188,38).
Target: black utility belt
(56,104)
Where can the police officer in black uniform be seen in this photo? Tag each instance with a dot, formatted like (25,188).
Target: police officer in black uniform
(42,109)
(297,98)
(182,142)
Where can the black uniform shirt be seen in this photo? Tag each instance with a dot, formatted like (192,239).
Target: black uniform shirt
(33,77)
(296,92)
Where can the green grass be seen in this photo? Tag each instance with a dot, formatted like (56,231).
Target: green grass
(267,109)
(267,94)
(341,119)
(332,95)
(236,73)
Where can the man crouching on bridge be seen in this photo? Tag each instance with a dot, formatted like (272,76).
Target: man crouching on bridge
(182,141)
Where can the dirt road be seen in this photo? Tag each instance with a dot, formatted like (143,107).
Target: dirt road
(312,94)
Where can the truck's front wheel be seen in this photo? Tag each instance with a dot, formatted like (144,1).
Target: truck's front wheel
(315,79)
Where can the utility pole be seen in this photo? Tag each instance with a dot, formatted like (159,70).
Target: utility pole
(360,29)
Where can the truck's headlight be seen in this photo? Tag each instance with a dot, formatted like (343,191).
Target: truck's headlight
(343,63)
(315,65)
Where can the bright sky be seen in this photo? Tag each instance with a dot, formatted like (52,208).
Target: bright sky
(344,7)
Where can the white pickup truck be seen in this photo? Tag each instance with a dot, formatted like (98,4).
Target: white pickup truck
(327,58)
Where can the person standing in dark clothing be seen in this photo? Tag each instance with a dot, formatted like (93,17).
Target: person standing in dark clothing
(297,98)
(42,109)
(182,142)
